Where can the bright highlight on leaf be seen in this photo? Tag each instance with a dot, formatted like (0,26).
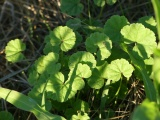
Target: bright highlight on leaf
(82,57)
(26,103)
(113,27)
(118,68)
(71,7)
(146,111)
(148,22)
(62,36)
(100,44)
(13,50)
(144,39)
(47,63)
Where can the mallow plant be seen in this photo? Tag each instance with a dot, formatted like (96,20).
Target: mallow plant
(85,67)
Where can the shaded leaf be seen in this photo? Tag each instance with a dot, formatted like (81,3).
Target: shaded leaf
(113,27)
(4,115)
(82,57)
(71,7)
(148,22)
(74,23)
(101,42)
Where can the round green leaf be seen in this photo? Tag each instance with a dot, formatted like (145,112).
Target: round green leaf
(101,42)
(45,63)
(4,115)
(146,111)
(71,7)
(95,81)
(74,23)
(143,38)
(117,68)
(63,36)
(113,27)
(62,91)
(82,57)
(80,71)
(13,50)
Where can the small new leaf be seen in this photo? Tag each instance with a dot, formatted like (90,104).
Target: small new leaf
(13,50)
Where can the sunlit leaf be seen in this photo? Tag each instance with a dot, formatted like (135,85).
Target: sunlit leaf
(117,68)
(82,57)
(146,111)
(62,36)
(80,116)
(144,39)
(14,50)
(100,44)
(113,27)
(80,71)
(71,7)
(148,22)
(26,103)
(47,63)
(64,90)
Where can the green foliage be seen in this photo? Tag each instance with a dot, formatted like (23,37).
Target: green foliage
(146,111)
(117,68)
(71,7)
(13,50)
(144,39)
(26,103)
(101,42)
(4,115)
(85,61)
